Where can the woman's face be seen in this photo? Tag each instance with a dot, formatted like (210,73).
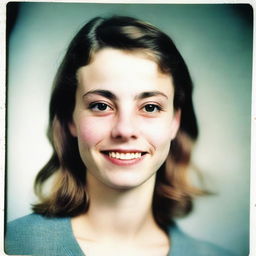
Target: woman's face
(123,118)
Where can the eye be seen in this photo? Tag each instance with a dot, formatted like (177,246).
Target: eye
(99,106)
(151,108)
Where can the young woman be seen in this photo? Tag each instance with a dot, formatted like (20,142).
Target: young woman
(122,126)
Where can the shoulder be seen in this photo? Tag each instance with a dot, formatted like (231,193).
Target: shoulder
(35,224)
(25,234)
(183,244)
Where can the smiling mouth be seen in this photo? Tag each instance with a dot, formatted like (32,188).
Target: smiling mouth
(124,156)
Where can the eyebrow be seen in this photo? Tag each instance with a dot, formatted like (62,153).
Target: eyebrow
(104,93)
(144,95)
(109,95)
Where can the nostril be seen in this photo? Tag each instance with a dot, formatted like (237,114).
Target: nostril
(122,133)
(124,127)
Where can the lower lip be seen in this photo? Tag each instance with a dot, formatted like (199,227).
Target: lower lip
(124,162)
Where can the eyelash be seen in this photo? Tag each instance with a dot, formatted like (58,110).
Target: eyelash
(155,106)
(98,105)
(103,107)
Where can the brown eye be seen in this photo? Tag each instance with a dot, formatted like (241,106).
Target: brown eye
(152,108)
(98,106)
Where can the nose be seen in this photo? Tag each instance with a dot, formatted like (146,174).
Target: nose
(124,127)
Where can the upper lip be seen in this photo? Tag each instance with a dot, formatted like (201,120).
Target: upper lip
(124,150)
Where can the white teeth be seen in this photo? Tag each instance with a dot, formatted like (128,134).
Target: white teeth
(124,156)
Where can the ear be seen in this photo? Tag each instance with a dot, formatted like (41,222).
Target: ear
(175,123)
(72,128)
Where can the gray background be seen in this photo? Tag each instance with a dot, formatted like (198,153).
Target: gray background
(216,42)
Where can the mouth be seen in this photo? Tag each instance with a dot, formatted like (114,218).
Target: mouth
(124,155)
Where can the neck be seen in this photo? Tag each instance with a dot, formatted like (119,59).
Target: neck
(119,213)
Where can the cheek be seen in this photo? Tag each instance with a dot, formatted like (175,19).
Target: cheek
(90,131)
(159,132)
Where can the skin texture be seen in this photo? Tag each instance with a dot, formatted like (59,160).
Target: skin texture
(124,104)
(125,124)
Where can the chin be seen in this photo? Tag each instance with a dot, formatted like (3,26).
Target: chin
(127,182)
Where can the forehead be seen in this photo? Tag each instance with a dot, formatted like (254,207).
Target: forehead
(115,69)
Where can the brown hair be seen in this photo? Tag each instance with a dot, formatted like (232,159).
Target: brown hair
(173,193)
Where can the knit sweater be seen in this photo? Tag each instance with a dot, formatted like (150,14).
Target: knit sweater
(38,235)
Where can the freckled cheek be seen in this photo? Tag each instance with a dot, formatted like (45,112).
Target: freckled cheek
(91,131)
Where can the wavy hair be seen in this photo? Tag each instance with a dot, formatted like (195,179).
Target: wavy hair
(173,193)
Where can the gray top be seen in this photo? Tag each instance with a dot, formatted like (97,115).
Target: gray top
(37,235)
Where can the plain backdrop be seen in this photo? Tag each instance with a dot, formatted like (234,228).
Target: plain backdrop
(216,43)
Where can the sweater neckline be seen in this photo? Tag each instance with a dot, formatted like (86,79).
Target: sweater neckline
(77,250)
